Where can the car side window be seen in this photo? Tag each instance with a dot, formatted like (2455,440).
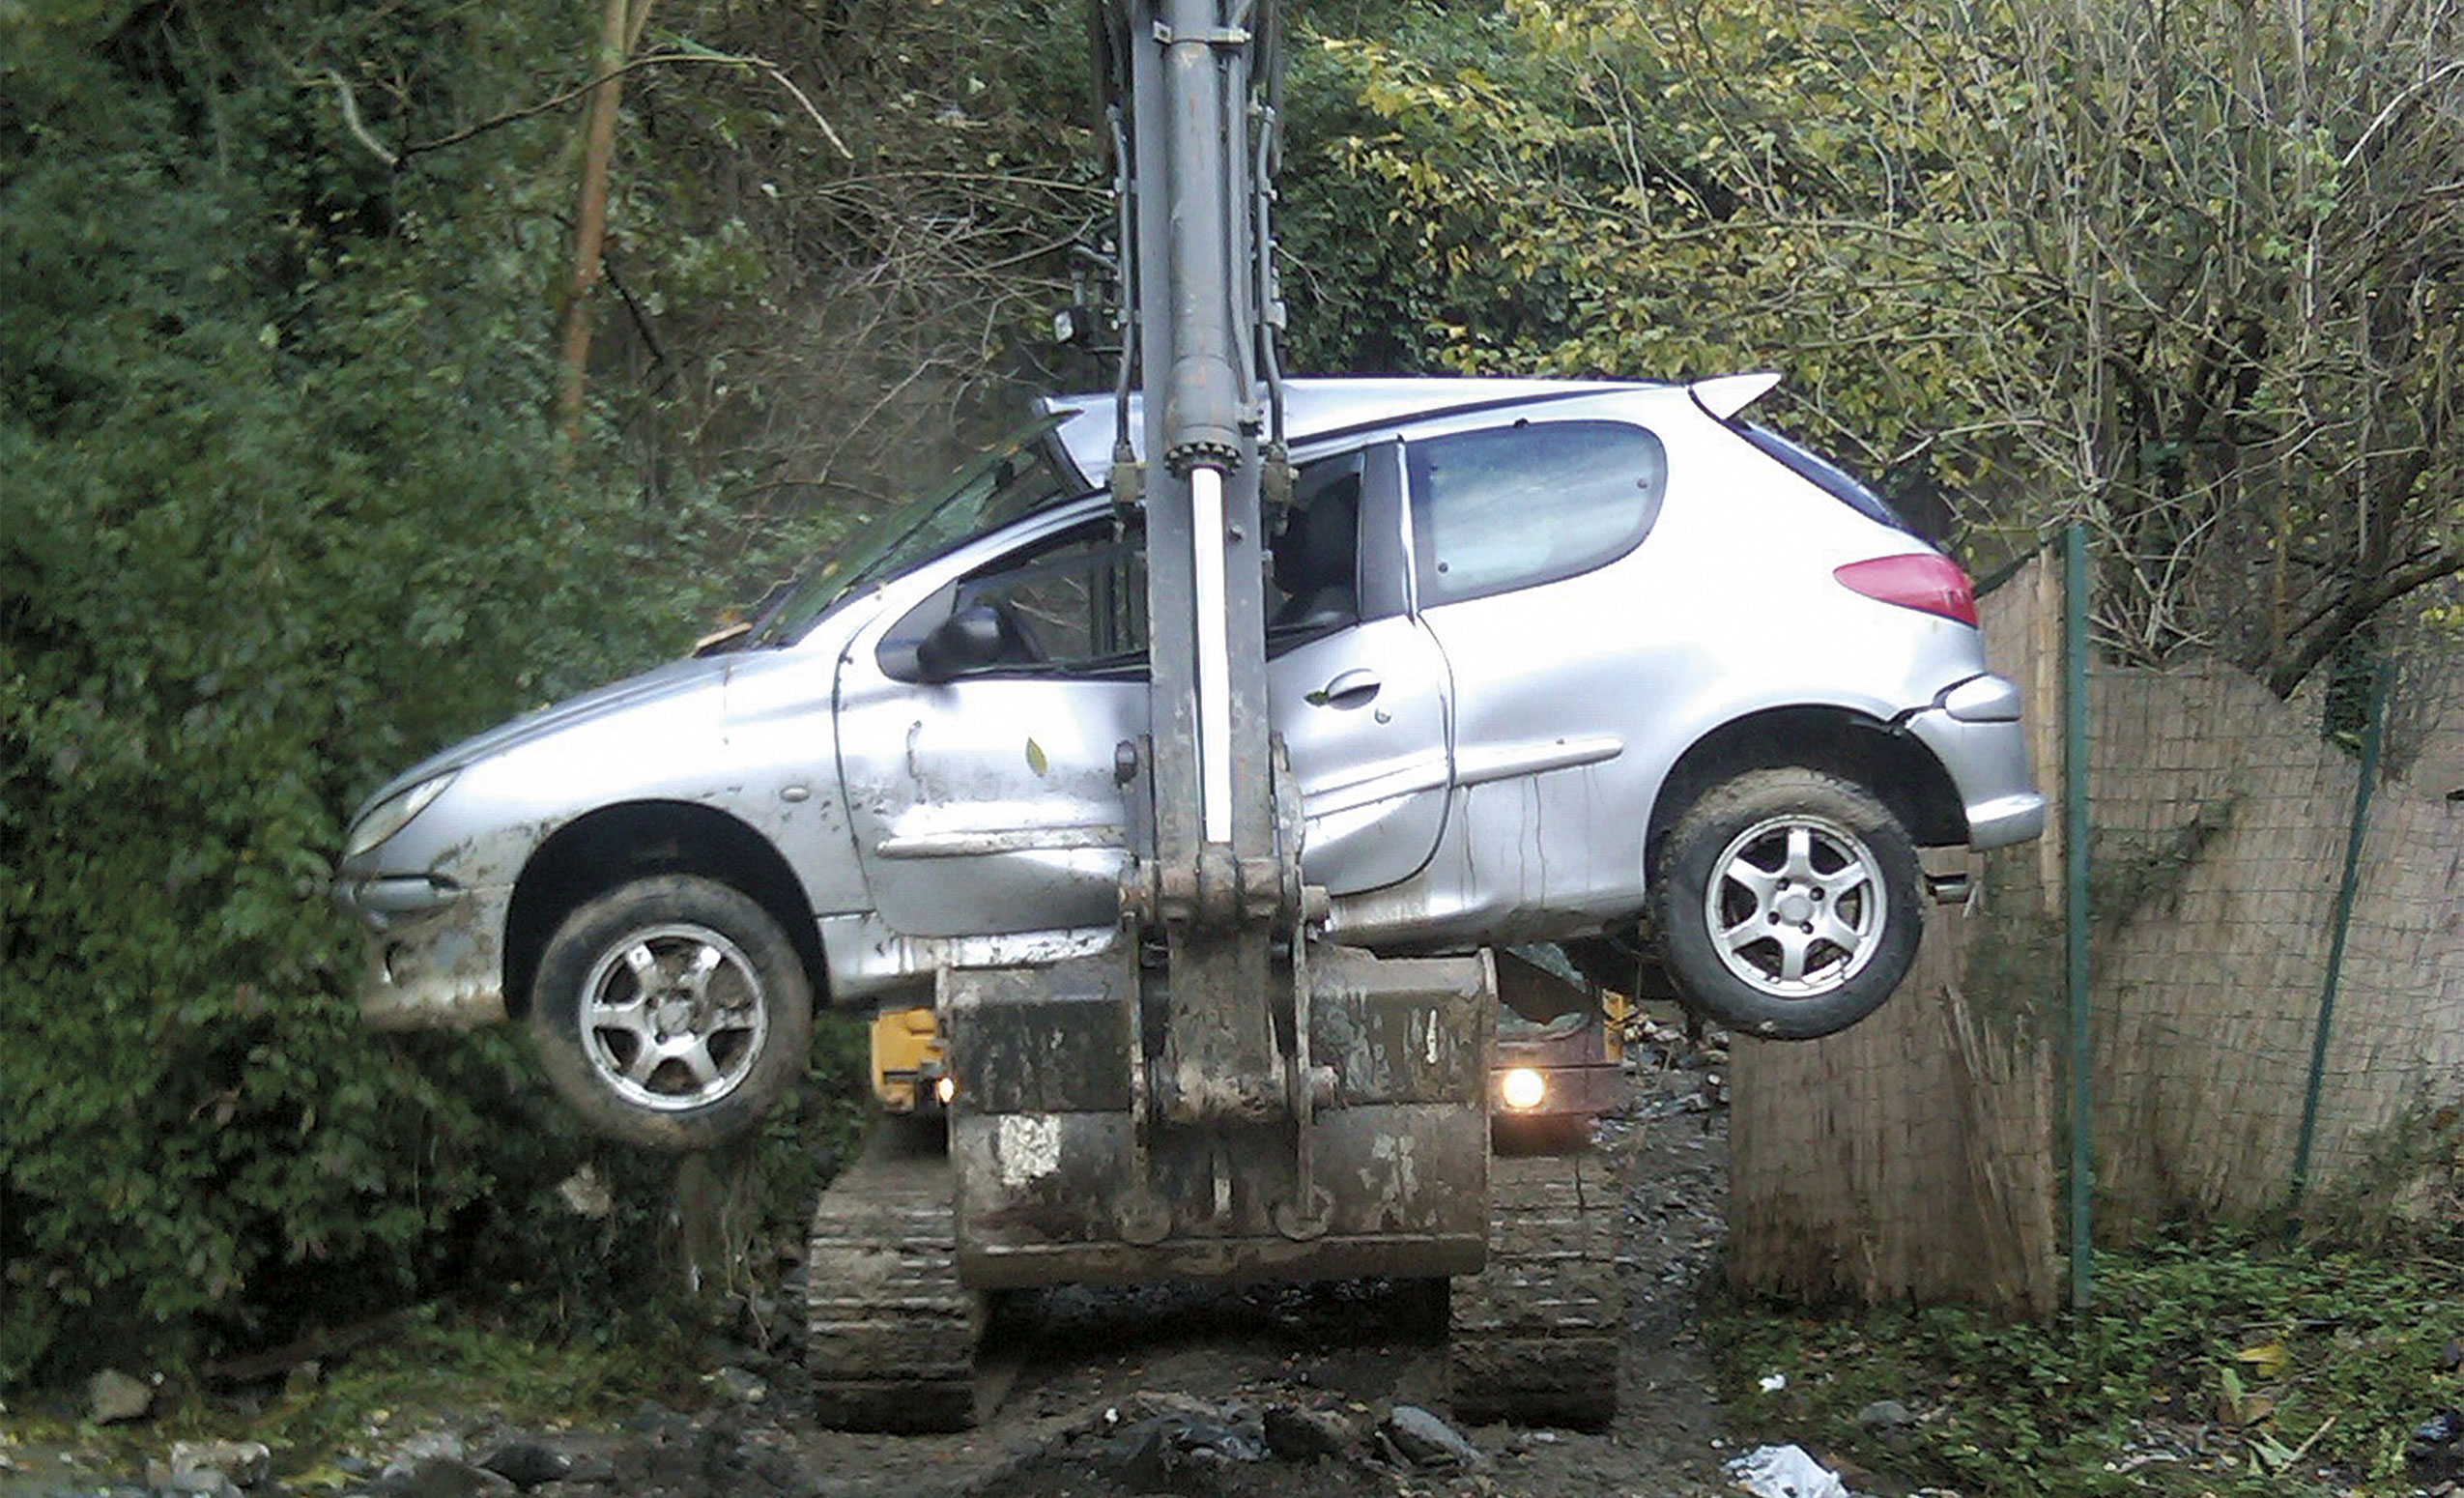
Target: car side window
(1315,574)
(1515,507)
(1073,605)
(1077,604)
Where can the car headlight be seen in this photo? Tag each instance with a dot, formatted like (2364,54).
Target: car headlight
(393,813)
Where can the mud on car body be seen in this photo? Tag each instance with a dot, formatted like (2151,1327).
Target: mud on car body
(1596,664)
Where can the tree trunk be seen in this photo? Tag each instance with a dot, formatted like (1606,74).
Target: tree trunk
(620,25)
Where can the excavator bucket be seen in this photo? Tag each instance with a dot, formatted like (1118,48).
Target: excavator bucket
(1065,1170)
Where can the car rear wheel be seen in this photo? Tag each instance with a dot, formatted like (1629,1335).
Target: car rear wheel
(672,1012)
(1787,904)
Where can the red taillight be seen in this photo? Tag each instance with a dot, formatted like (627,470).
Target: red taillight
(1923,581)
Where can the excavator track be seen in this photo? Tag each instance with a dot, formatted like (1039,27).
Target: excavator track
(894,1334)
(1536,1335)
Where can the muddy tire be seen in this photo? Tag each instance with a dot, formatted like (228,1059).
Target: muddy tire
(672,1012)
(1786,903)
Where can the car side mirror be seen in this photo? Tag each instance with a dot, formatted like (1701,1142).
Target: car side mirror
(966,641)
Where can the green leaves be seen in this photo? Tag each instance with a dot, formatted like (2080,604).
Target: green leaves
(2178,272)
(2226,1356)
(278,513)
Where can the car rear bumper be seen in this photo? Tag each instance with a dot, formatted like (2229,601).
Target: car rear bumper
(1973,730)
(436,952)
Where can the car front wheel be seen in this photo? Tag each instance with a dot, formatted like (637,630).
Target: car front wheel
(672,1012)
(1787,904)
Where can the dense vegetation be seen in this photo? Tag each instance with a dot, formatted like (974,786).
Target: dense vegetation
(286,502)
(285,510)
(2238,1366)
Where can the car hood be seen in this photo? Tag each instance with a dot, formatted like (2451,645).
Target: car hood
(660,684)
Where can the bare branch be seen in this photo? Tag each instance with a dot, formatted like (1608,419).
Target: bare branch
(351,120)
(558,101)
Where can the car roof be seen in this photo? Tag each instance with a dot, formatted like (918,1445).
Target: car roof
(1315,408)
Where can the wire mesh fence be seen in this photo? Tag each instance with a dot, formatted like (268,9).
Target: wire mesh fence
(2270,1006)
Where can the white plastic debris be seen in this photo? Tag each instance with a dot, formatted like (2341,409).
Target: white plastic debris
(1785,1472)
(1773,1383)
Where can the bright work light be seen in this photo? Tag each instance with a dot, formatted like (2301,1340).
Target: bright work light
(1523,1088)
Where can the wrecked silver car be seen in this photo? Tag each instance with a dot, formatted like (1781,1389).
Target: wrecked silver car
(1551,662)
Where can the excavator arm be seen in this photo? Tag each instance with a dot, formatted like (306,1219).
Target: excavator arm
(1222,1093)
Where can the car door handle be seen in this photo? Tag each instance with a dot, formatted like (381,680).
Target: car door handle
(1354,688)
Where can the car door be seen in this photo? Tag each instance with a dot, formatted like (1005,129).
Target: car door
(1356,683)
(1517,531)
(985,801)
(979,786)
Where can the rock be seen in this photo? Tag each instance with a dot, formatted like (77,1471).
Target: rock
(112,1396)
(768,1321)
(591,1465)
(1306,1434)
(1426,1441)
(442,1477)
(1888,1421)
(244,1463)
(750,1468)
(675,1456)
(2452,1356)
(653,1419)
(180,1482)
(528,1464)
(432,1446)
(2436,1452)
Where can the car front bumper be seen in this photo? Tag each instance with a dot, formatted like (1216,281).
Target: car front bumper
(436,951)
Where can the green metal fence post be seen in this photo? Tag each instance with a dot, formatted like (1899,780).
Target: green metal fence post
(2371,733)
(2074,911)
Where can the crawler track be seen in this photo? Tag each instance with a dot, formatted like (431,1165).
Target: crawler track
(1536,1335)
(894,1334)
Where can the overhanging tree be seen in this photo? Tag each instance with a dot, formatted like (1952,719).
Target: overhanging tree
(2187,272)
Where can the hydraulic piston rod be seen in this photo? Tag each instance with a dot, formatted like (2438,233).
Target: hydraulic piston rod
(1215,664)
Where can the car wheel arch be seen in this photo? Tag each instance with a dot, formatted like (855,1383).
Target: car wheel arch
(1893,766)
(611,845)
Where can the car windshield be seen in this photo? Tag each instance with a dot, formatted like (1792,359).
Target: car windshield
(1016,477)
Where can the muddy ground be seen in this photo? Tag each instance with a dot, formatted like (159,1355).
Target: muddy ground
(1203,1391)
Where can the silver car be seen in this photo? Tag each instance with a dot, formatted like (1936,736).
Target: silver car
(1583,663)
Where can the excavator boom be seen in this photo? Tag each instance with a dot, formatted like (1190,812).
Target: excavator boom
(1220,1093)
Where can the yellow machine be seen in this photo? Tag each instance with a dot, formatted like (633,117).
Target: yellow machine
(910,1072)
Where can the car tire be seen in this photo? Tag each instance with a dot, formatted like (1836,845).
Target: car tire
(1787,904)
(672,1012)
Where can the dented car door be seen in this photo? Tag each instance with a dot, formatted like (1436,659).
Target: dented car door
(980,780)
